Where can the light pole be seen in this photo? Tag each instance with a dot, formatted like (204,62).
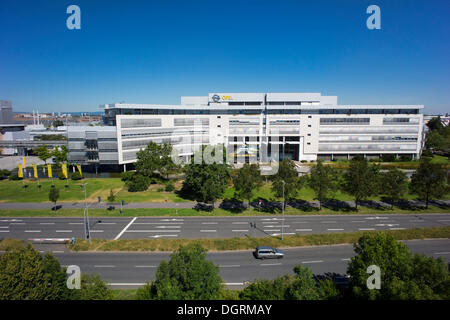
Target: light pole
(282,210)
(86,216)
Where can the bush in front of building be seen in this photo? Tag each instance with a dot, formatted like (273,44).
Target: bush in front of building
(170,186)
(61,176)
(14,176)
(137,182)
(126,176)
(76,176)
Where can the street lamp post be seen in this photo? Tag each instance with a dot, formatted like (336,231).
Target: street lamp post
(86,216)
(282,210)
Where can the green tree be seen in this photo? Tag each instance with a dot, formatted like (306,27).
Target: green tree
(92,288)
(53,195)
(205,182)
(148,160)
(187,276)
(304,286)
(395,184)
(361,180)
(246,181)
(43,153)
(137,182)
(265,289)
(292,183)
(111,197)
(429,181)
(60,154)
(58,123)
(27,275)
(323,180)
(167,166)
(403,276)
(435,124)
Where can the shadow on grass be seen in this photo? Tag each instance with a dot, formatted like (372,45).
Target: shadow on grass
(233,205)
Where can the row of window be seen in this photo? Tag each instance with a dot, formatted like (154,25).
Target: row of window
(365,147)
(332,121)
(366,138)
(133,123)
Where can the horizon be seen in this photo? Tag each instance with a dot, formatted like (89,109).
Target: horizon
(155,52)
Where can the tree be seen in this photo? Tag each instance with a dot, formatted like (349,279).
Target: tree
(435,124)
(304,286)
(43,153)
(53,195)
(265,289)
(111,197)
(148,160)
(246,181)
(292,183)
(323,180)
(395,184)
(138,182)
(60,154)
(360,180)
(205,182)
(429,181)
(167,166)
(187,276)
(403,276)
(92,288)
(27,275)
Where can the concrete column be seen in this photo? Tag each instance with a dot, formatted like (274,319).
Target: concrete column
(124,167)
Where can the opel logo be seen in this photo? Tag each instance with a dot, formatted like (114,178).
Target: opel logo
(215,98)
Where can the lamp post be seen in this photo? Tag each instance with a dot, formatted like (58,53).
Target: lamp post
(282,210)
(86,215)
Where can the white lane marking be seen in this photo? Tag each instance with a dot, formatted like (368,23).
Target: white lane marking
(279,234)
(75,222)
(58,251)
(443,220)
(366,229)
(143,231)
(239,230)
(47,223)
(335,229)
(4,231)
(329,221)
(16,224)
(314,261)
(104,266)
(345,259)
(160,223)
(209,222)
(386,225)
(300,222)
(168,227)
(63,231)
(108,223)
(357,221)
(270,264)
(163,235)
(171,220)
(145,266)
(95,230)
(32,230)
(442,253)
(241,222)
(4,227)
(208,230)
(416,220)
(377,218)
(230,266)
(271,230)
(125,229)
(396,228)
(303,229)
(234,283)
(271,219)
(278,226)
(13,220)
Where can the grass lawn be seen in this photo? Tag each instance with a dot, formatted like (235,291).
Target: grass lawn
(124,294)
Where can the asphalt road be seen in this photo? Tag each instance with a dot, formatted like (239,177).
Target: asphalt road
(128,270)
(211,227)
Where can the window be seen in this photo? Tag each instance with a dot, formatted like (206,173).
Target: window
(309,134)
(345,121)
(309,126)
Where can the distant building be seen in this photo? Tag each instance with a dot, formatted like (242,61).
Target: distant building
(6,114)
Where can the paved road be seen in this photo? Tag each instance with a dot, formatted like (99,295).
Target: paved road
(211,227)
(127,270)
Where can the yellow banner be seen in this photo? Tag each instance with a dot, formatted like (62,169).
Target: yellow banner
(49,169)
(35,170)
(24,163)
(64,170)
(79,169)
(20,172)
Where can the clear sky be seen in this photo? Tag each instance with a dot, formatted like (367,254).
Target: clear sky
(157,51)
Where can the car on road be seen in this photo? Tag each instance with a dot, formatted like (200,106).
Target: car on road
(268,253)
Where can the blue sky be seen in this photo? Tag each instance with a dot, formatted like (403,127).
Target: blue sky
(156,51)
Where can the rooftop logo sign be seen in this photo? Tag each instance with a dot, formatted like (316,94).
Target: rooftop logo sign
(216,98)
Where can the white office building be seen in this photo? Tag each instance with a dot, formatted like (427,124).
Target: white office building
(303,126)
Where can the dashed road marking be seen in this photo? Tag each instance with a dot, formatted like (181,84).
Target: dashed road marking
(314,261)
(303,229)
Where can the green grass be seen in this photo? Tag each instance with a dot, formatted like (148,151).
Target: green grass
(251,243)
(124,294)
(218,212)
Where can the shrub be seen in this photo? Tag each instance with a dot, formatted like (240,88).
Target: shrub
(126,176)
(61,176)
(303,161)
(76,176)
(388,157)
(405,157)
(137,183)
(111,197)
(426,153)
(160,189)
(5,173)
(170,186)
(154,180)
(14,176)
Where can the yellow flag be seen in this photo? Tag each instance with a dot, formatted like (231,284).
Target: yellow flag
(24,163)
(79,169)
(20,172)
(64,170)
(35,170)
(49,169)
